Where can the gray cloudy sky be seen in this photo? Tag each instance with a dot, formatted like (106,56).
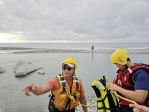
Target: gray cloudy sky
(74,20)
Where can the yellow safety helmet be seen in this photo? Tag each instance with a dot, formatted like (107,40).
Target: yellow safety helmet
(119,56)
(70,61)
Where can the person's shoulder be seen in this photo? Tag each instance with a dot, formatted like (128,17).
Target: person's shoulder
(141,70)
(53,80)
(141,73)
(79,78)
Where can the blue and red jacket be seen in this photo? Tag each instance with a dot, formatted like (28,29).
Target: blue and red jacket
(125,79)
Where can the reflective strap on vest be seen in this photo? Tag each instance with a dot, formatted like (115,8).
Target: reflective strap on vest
(99,85)
(63,81)
(129,70)
(75,79)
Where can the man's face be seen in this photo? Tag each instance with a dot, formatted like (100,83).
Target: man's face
(67,71)
(122,67)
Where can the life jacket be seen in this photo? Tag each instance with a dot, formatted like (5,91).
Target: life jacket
(125,79)
(60,98)
(107,101)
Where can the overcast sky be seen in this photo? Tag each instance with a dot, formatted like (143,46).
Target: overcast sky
(74,21)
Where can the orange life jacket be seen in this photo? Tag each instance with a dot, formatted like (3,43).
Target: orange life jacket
(125,79)
(61,100)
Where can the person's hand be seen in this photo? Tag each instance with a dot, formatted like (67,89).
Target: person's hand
(112,86)
(139,108)
(29,88)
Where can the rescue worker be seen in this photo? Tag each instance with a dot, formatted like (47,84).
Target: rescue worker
(60,86)
(132,80)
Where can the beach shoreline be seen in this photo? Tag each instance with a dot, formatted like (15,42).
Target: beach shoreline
(21,50)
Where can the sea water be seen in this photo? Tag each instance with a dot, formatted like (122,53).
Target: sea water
(77,45)
(91,66)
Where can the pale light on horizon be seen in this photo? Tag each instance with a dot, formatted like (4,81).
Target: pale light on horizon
(17,37)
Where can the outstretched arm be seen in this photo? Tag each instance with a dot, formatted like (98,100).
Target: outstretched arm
(35,89)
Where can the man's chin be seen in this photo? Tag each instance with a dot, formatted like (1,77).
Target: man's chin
(65,75)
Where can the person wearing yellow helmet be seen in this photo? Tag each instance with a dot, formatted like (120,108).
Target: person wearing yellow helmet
(66,89)
(131,81)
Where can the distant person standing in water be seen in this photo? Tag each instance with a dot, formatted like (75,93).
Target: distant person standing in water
(61,86)
(92,47)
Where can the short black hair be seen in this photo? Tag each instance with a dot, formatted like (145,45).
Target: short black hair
(128,59)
